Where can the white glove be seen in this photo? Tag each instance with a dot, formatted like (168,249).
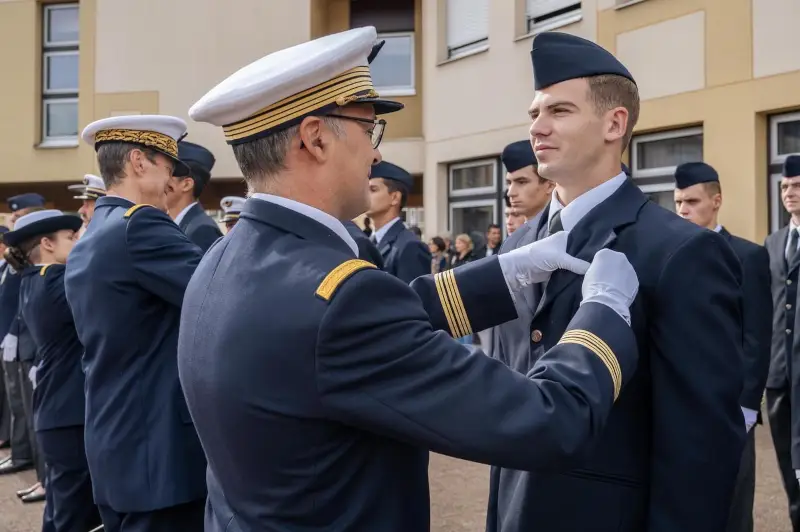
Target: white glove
(612,281)
(535,262)
(32,376)
(9,348)
(750,418)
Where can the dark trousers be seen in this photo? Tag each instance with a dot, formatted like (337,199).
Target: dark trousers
(741,516)
(69,504)
(21,448)
(5,411)
(779,411)
(184,517)
(27,402)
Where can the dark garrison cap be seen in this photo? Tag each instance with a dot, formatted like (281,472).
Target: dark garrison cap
(25,201)
(560,57)
(199,159)
(391,171)
(688,174)
(791,166)
(518,155)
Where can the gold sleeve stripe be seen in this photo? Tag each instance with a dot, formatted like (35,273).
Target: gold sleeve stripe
(596,345)
(452,304)
(44,269)
(135,208)
(340,274)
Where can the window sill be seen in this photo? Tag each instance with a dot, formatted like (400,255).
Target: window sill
(58,144)
(464,55)
(549,26)
(396,92)
(629,3)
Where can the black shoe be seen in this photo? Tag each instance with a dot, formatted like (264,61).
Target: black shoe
(28,491)
(33,497)
(9,467)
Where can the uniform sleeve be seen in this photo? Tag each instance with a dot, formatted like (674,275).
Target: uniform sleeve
(163,258)
(414,261)
(381,367)
(467,299)
(205,235)
(757,326)
(696,367)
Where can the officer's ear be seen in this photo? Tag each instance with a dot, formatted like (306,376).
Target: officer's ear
(313,139)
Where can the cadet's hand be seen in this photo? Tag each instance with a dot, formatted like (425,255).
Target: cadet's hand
(535,262)
(612,281)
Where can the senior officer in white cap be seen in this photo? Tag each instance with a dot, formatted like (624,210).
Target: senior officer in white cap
(125,282)
(310,418)
(88,192)
(231,207)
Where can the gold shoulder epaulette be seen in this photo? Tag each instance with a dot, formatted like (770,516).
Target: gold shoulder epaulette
(135,208)
(339,275)
(597,345)
(44,269)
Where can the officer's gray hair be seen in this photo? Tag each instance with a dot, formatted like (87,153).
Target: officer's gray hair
(111,159)
(266,157)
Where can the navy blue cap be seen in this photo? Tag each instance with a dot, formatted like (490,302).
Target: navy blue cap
(626,170)
(791,166)
(689,174)
(4,229)
(558,57)
(391,171)
(199,160)
(518,155)
(25,201)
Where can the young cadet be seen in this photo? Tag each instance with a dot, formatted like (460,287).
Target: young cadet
(669,456)
(125,282)
(38,247)
(698,198)
(183,193)
(528,192)
(404,255)
(318,391)
(231,206)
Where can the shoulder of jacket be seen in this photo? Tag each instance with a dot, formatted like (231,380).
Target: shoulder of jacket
(136,208)
(337,276)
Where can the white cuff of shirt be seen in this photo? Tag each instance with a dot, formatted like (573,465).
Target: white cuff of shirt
(750,417)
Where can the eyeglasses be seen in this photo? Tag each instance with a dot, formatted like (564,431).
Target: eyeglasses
(375,132)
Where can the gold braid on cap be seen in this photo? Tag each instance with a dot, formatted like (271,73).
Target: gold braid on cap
(344,89)
(151,139)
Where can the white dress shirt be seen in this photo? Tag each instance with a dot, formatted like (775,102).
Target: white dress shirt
(182,214)
(315,214)
(380,233)
(580,206)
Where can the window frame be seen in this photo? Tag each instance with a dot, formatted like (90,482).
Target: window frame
(467,48)
(774,164)
(410,90)
(46,72)
(50,97)
(774,121)
(61,141)
(472,191)
(660,171)
(570,17)
(46,43)
(461,204)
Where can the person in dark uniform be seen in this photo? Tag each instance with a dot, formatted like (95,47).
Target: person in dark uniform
(231,206)
(527,191)
(38,247)
(88,192)
(183,196)
(5,411)
(698,198)
(16,379)
(125,281)
(514,220)
(317,392)
(367,249)
(783,385)
(404,255)
(669,456)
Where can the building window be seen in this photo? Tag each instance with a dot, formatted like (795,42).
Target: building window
(543,15)
(60,74)
(654,159)
(393,70)
(475,196)
(784,139)
(467,26)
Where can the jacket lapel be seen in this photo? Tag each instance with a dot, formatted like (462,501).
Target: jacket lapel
(597,230)
(191,214)
(388,239)
(292,222)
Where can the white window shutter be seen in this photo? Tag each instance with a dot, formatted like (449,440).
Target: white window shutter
(538,8)
(467,21)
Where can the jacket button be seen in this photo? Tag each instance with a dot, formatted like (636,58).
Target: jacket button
(788,331)
(788,281)
(788,306)
(536,336)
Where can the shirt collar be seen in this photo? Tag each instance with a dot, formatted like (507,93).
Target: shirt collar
(718,228)
(182,214)
(315,214)
(380,233)
(580,206)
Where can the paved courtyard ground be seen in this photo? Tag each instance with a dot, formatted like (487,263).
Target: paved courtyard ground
(458,496)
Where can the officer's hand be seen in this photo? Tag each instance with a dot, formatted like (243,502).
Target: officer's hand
(612,281)
(535,262)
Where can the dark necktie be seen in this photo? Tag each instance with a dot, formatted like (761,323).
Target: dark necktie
(555,224)
(791,256)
